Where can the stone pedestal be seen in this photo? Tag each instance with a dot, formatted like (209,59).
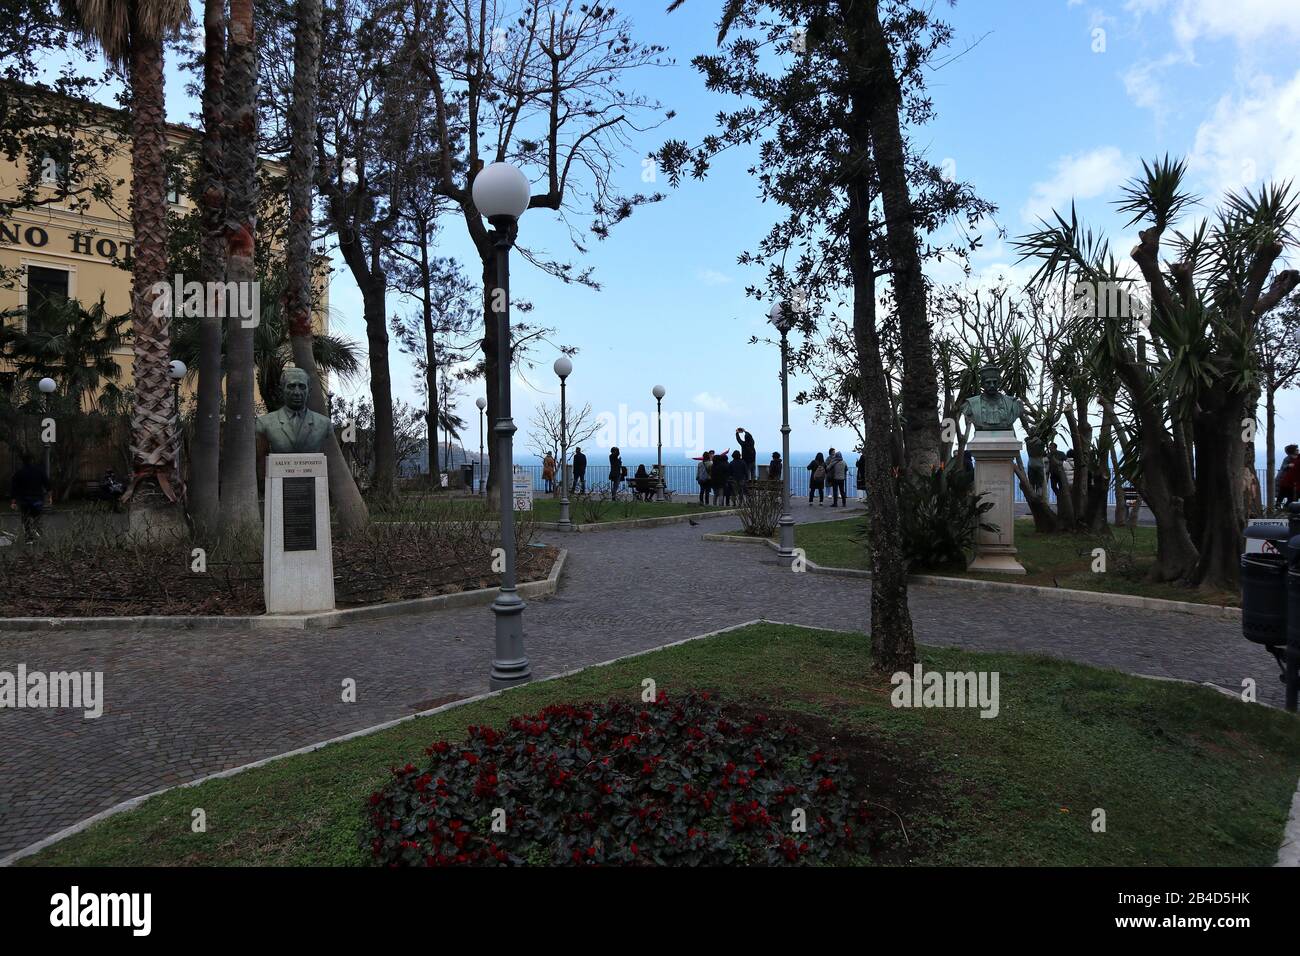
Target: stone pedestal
(994,451)
(297,563)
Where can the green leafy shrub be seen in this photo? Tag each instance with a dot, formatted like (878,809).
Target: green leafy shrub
(939,515)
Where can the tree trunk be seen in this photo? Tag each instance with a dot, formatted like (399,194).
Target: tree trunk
(349,507)
(205,462)
(373,296)
(238,447)
(883,100)
(1270,429)
(1219,491)
(154,431)
(893,643)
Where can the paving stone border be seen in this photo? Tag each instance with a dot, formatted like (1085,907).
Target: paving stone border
(639,522)
(1220,611)
(256,622)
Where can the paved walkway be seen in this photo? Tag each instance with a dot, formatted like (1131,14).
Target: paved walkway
(185,705)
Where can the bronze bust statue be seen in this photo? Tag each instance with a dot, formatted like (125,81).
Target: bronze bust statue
(293,428)
(992,410)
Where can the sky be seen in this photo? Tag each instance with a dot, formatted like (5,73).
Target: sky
(1049,100)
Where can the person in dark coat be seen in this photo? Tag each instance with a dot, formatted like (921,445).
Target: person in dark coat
(579,470)
(704,476)
(739,476)
(616,471)
(817,478)
(774,467)
(747,452)
(642,484)
(720,473)
(28,491)
(860,479)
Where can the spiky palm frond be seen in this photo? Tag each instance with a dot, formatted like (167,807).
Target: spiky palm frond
(112,23)
(1157,194)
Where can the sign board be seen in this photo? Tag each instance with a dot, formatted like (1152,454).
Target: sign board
(298,517)
(523,490)
(1261,545)
(444,479)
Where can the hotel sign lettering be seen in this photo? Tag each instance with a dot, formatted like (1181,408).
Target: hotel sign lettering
(77,243)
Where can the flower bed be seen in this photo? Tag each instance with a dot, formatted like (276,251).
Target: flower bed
(671,782)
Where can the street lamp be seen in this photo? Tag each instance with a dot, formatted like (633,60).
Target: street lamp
(781,317)
(659,392)
(176,371)
(500,192)
(564,368)
(481,402)
(47,386)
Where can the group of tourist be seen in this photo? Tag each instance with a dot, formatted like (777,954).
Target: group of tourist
(832,470)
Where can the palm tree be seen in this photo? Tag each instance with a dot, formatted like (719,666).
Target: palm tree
(346,498)
(131,34)
(238,505)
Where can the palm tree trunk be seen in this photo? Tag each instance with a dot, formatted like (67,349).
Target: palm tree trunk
(205,464)
(349,507)
(154,431)
(238,461)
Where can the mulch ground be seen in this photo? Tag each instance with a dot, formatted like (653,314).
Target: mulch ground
(159,580)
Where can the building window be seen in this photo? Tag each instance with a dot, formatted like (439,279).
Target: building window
(175,184)
(47,291)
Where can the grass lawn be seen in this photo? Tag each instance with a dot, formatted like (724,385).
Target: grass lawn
(546,509)
(1185,775)
(1050,560)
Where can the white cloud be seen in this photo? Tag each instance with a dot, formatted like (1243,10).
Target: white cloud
(713,403)
(1082,176)
(712,277)
(1251,137)
(1242,20)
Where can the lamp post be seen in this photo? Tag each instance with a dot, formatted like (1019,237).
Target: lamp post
(481,402)
(176,371)
(781,317)
(564,368)
(659,392)
(501,192)
(47,386)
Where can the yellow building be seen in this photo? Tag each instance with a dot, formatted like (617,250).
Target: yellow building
(82,249)
(54,250)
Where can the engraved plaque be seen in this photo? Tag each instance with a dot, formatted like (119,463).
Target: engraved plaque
(299,521)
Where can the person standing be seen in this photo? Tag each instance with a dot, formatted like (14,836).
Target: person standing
(747,452)
(579,470)
(615,471)
(719,473)
(817,479)
(774,467)
(704,477)
(548,473)
(1286,476)
(29,492)
(860,478)
(837,470)
(739,477)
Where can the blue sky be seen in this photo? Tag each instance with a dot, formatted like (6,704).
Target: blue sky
(1054,99)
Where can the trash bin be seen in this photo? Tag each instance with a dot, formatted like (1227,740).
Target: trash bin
(1264,597)
(467,475)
